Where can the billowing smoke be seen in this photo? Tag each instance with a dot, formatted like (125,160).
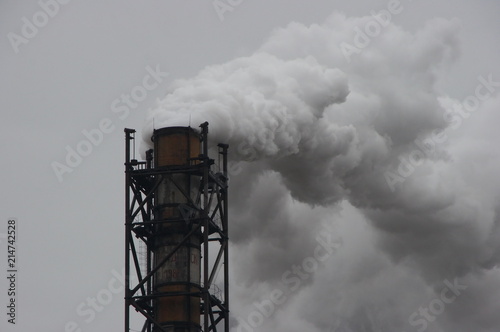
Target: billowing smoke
(362,198)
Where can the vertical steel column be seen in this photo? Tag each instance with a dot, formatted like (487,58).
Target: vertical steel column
(128,222)
(206,286)
(225,225)
(149,256)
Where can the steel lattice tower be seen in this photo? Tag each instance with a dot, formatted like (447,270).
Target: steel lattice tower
(176,207)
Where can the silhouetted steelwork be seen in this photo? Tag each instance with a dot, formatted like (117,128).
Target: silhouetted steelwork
(176,208)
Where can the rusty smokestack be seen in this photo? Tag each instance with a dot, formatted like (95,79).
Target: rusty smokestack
(176,148)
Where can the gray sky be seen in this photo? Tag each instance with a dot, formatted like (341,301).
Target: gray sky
(400,249)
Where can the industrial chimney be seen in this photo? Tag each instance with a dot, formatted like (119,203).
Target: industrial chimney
(176,208)
(177,148)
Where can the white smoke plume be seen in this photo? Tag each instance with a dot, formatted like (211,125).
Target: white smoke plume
(367,151)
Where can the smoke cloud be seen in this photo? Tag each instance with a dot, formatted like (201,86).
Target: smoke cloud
(369,150)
